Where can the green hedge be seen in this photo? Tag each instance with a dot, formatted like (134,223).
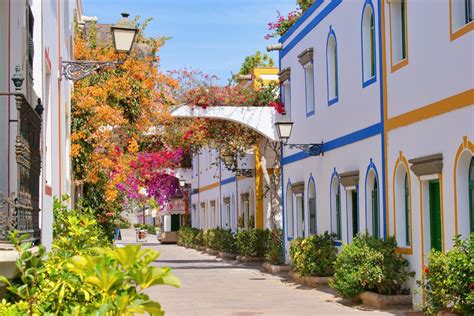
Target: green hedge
(314,255)
(449,279)
(253,242)
(274,254)
(370,264)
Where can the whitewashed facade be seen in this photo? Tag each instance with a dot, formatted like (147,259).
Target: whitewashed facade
(49,26)
(387,86)
(218,196)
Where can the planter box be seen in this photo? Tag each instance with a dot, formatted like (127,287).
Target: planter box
(385,301)
(212,252)
(275,269)
(311,281)
(227,256)
(201,248)
(248,259)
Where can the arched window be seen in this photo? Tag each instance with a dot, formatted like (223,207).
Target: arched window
(375,209)
(402,203)
(368,43)
(336,220)
(464,189)
(407,211)
(312,207)
(372,201)
(332,68)
(471,194)
(289,212)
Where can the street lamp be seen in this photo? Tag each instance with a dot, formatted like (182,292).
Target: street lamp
(123,36)
(182,182)
(284,129)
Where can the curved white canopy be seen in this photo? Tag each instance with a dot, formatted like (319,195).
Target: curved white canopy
(260,119)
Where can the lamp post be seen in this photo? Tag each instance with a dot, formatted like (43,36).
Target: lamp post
(123,36)
(284,129)
(182,182)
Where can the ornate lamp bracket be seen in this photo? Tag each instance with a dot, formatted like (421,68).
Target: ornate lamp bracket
(79,69)
(310,149)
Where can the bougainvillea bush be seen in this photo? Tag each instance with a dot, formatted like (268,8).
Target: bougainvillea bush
(285,22)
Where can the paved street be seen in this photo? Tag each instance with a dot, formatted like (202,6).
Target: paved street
(211,286)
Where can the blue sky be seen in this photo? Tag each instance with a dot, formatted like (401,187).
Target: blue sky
(210,35)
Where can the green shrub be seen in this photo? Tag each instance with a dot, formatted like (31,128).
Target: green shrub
(253,242)
(213,238)
(315,255)
(78,278)
(187,236)
(274,254)
(449,279)
(295,251)
(199,240)
(370,264)
(228,242)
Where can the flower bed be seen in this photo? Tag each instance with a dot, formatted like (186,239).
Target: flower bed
(275,269)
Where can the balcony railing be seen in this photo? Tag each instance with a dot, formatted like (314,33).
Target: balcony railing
(22,210)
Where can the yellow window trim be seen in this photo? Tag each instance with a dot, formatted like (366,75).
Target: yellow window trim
(402,160)
(402,63)
(466,28)
(465,145)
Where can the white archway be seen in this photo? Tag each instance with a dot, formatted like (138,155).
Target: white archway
(260,119)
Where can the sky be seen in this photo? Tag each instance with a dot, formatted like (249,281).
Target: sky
(209,35)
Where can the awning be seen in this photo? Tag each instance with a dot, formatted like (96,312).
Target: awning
(173,207)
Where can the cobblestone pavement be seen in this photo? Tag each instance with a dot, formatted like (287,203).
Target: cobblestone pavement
(211,286)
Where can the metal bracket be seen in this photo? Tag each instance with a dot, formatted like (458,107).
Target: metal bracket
(79,69)
(310,149)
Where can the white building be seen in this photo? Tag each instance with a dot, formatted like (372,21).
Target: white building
(219,197)
(232,196)
(388,89)
(35,35)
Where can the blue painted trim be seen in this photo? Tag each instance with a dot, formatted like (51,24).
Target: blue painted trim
(309,113)
(384,171)
(358,209)
(282,180)
(334,174)
(288,187)
(336,98)
(372,166)
(356,136)
(311,179)
(301,20)
(228,180)
(311,25)
(369,81)
(337,243)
